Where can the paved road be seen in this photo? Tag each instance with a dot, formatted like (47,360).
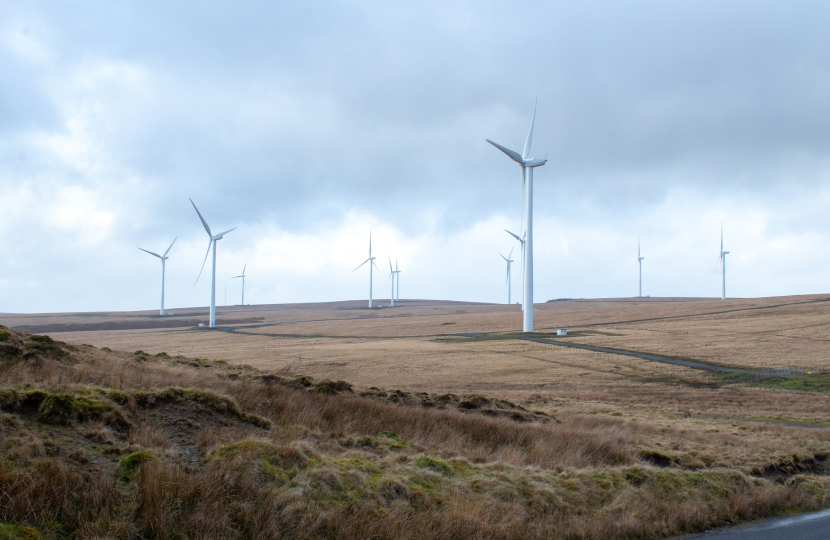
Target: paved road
(644,356)
(806,527)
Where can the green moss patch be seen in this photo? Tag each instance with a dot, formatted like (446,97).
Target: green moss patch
(332,387)
(357,464)
(261,449)
(17,532)
(130,464)
(807,383)
(436,464)
(64,409)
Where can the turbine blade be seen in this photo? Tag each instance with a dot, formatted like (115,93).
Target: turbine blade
(502,256)
(220,235)
(390,266)
(370,244)
(387,279)
(529,140)
(150,252)
(171,245)
(210,243)
(510,153)
(511,253)
(207,228)
(244,267)
(515,236)
(376,266)
(361,264)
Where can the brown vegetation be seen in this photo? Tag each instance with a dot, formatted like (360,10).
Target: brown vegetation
(96,443)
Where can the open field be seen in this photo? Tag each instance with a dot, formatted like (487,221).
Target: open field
(707,447)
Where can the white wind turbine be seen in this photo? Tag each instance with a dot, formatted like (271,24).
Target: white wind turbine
(640,262)
(722,261)
(392,274)
(372,261)
(242,275)
(211,244)
(509,261)
(528,164)
(163,259)
(397,281)
(522,242)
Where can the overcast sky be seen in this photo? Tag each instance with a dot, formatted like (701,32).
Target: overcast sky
(308,124)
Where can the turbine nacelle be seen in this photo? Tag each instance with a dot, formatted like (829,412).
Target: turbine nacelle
(370,259)
(516,236)
(508,259)
(213,238)
(242,275)
(515,156)
(524,158)
(162,257)
(222,234)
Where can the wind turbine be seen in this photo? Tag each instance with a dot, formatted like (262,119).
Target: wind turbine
(640,262)
(522,242)
(372,261)
(163,258)
(398,281)
(243,281)
(391,277)
(722,261)
(211,244)
(508,260)
(528,164)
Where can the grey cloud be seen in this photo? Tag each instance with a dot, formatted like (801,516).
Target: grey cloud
(295,114)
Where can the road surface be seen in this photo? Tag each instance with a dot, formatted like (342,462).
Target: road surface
(814,526)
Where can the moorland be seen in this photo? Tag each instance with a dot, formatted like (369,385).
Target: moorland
(426,420)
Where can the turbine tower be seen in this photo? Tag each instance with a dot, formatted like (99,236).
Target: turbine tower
(509,261)
(528,164)
(242,275)
(372,261)
(163,259)
(392,278)
(522,242)
(640,262)
(398,281)
(722,261)
(211,244)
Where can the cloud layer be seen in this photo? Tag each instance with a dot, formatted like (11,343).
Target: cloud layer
(307,125)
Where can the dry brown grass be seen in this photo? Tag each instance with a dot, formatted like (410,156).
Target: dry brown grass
(581,475)
(397,347)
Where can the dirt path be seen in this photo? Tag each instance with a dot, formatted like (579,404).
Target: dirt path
(644,356)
